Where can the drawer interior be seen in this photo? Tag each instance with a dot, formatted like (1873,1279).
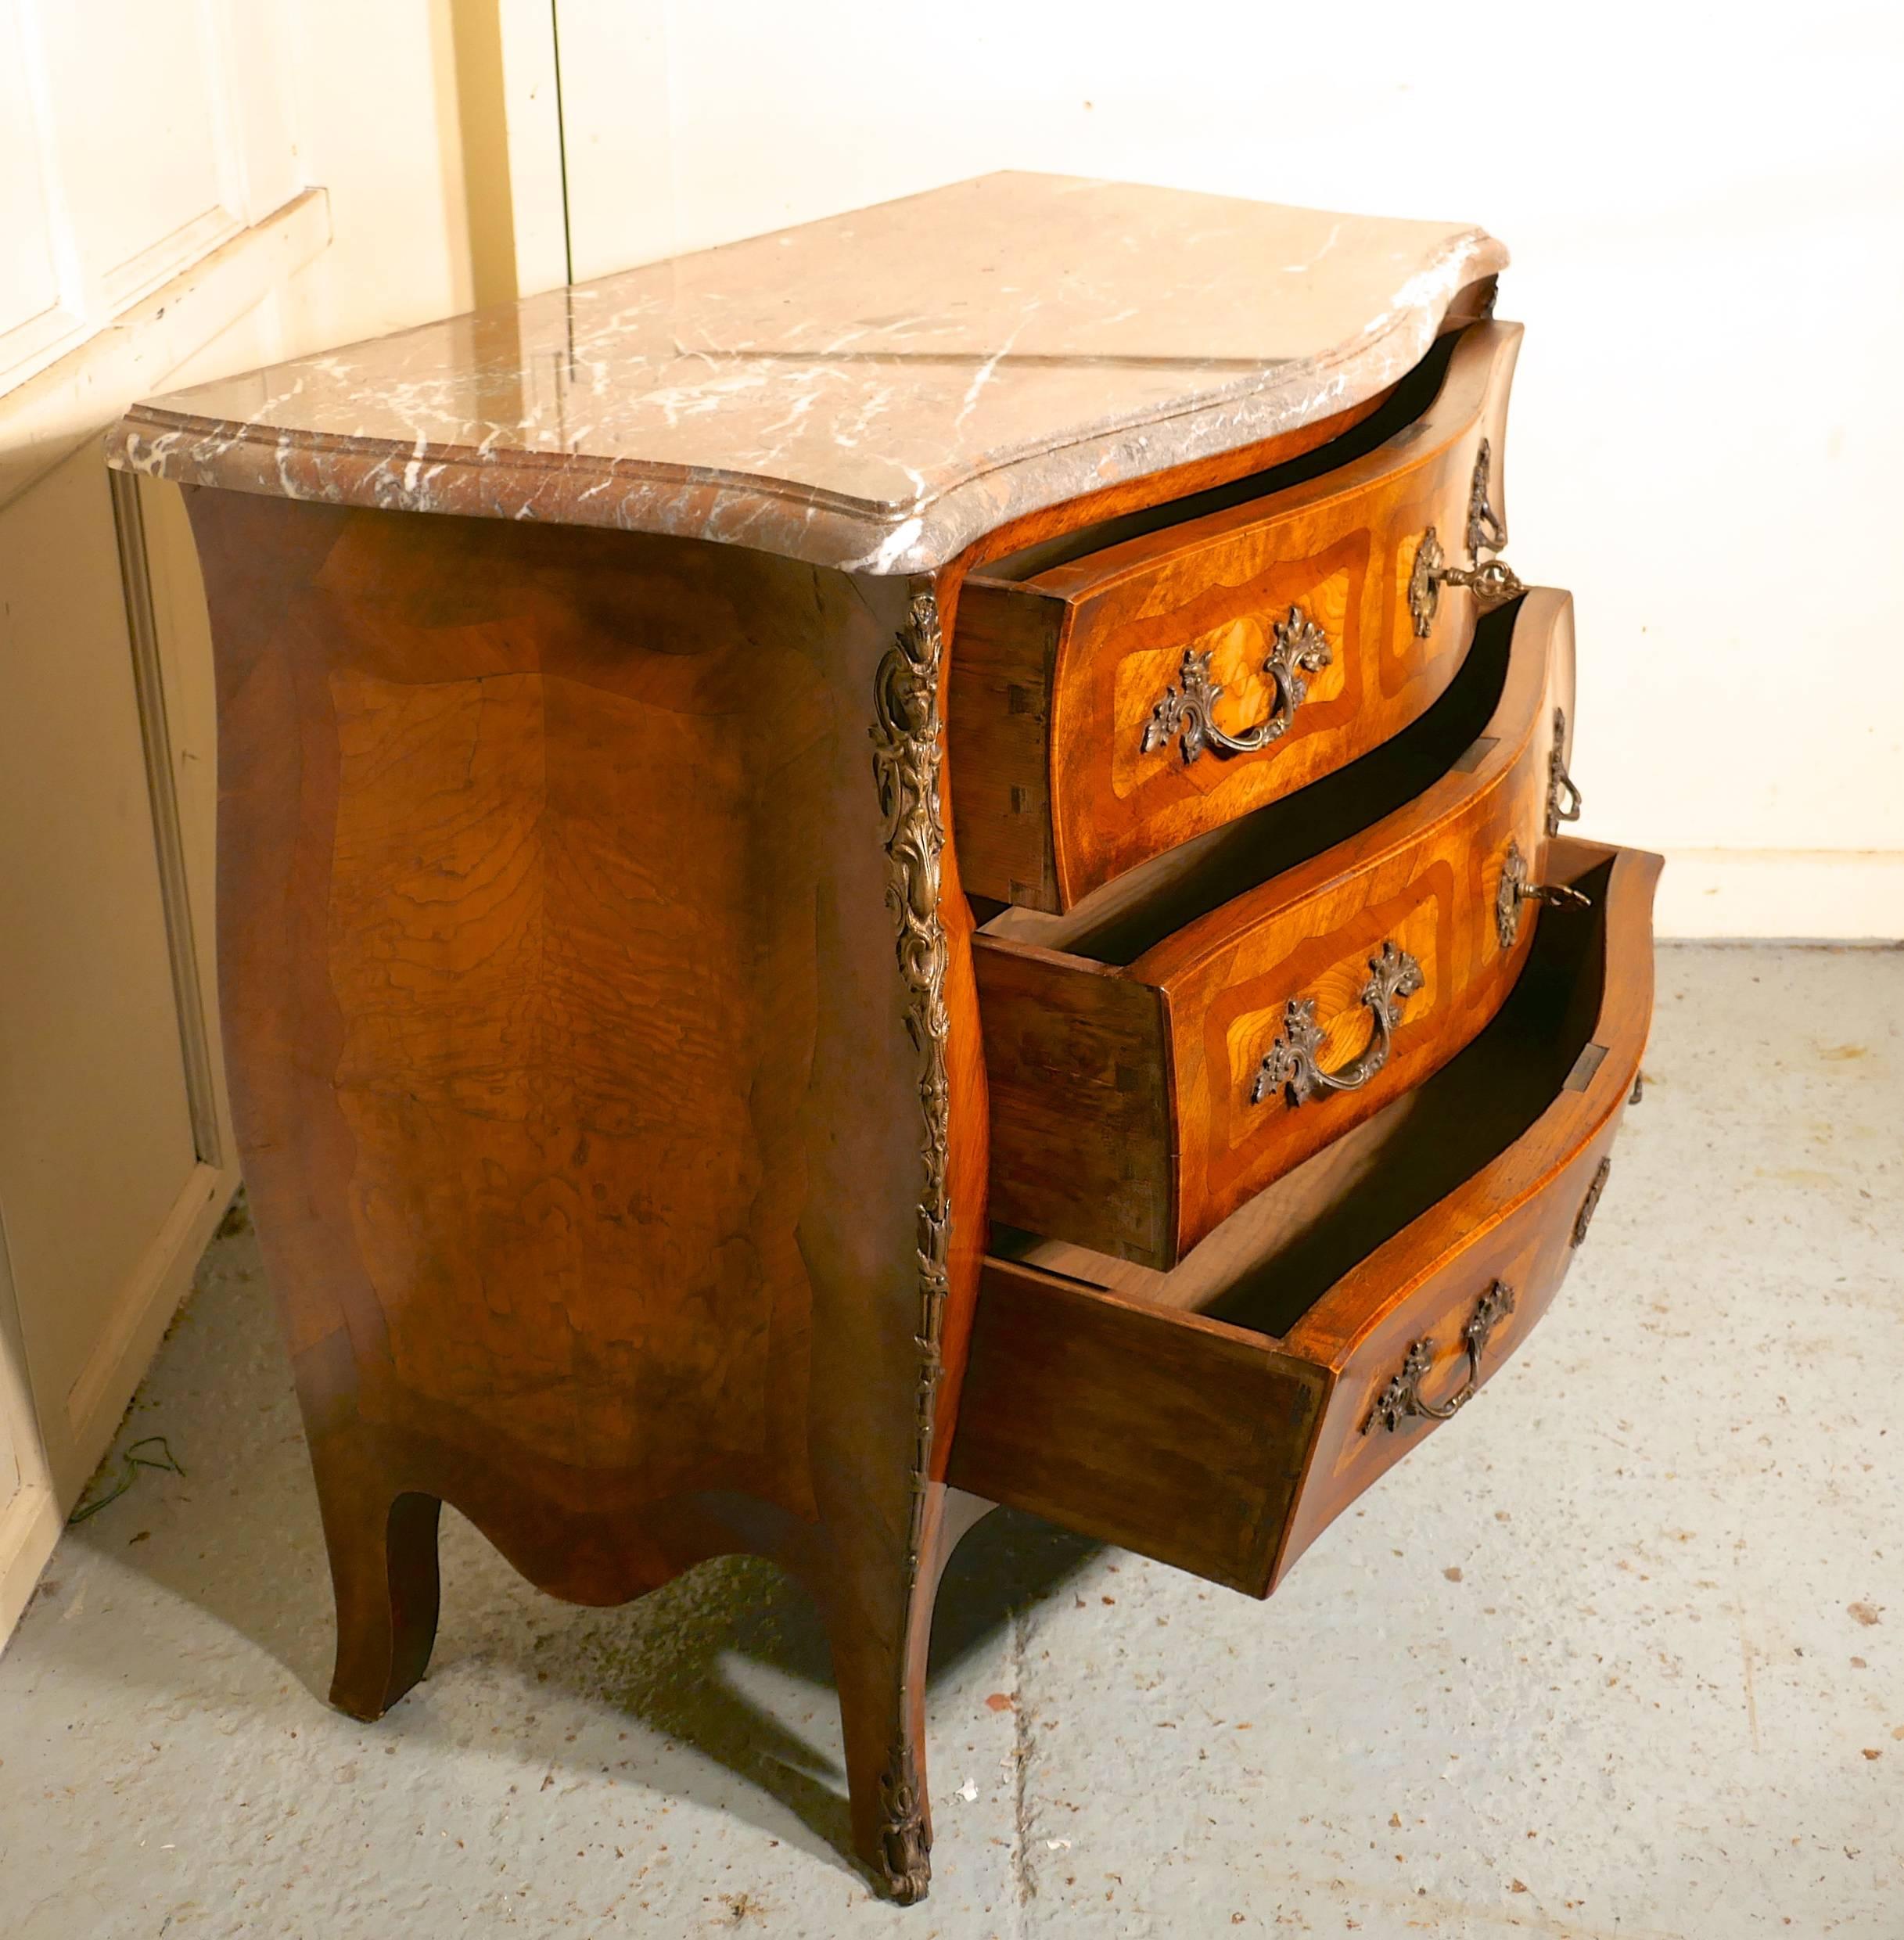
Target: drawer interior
(1391,418)
(1219,1417)
(1117,924)
(1270,1261)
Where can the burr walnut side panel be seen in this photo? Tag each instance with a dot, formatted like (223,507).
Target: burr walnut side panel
(591,978)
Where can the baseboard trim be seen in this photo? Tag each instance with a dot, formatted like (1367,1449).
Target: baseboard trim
(98,1398)
(1823,895)
(30,1526)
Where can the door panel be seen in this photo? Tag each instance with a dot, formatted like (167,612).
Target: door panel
(161,82)
(96,1148)
(134,139)
(29,312)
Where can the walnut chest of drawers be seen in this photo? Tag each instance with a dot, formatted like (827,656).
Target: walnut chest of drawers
(916,864)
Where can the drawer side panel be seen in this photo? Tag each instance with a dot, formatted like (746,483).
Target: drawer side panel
(1182,1441)
(997,729)
(1077,1074)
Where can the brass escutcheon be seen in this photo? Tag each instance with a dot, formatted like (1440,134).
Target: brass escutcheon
(1516,887)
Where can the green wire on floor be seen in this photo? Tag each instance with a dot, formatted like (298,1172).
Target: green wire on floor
(135,1461)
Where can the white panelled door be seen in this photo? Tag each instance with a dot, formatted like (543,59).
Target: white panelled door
(135,136)
(150,201)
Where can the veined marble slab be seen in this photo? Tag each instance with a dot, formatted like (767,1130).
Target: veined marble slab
(873,392)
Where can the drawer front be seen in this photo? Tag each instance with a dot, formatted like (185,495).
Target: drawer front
(1282,1019)
(1088,731)
(1419,1355)
(1370,984)
(1424,1250)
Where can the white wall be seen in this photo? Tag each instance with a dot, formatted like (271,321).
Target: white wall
(1706,208)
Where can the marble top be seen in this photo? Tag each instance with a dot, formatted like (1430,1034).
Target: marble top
(872,392)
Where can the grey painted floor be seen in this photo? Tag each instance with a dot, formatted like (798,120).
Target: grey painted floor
(1618,1654)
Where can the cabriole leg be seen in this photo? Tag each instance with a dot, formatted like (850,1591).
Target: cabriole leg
(384,1571)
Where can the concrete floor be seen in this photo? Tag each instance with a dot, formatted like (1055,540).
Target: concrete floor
(1616,1655)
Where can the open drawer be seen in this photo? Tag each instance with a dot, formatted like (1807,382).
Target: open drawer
(1181,1040)
(1123,691)
(1219,1417)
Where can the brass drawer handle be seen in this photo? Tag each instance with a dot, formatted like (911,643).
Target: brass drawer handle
(1403,1397)
(1302,647)
(1514,888)
(1492,581)
(1590,1204)
(1564,803)
(1487,531)
(1289,1065)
